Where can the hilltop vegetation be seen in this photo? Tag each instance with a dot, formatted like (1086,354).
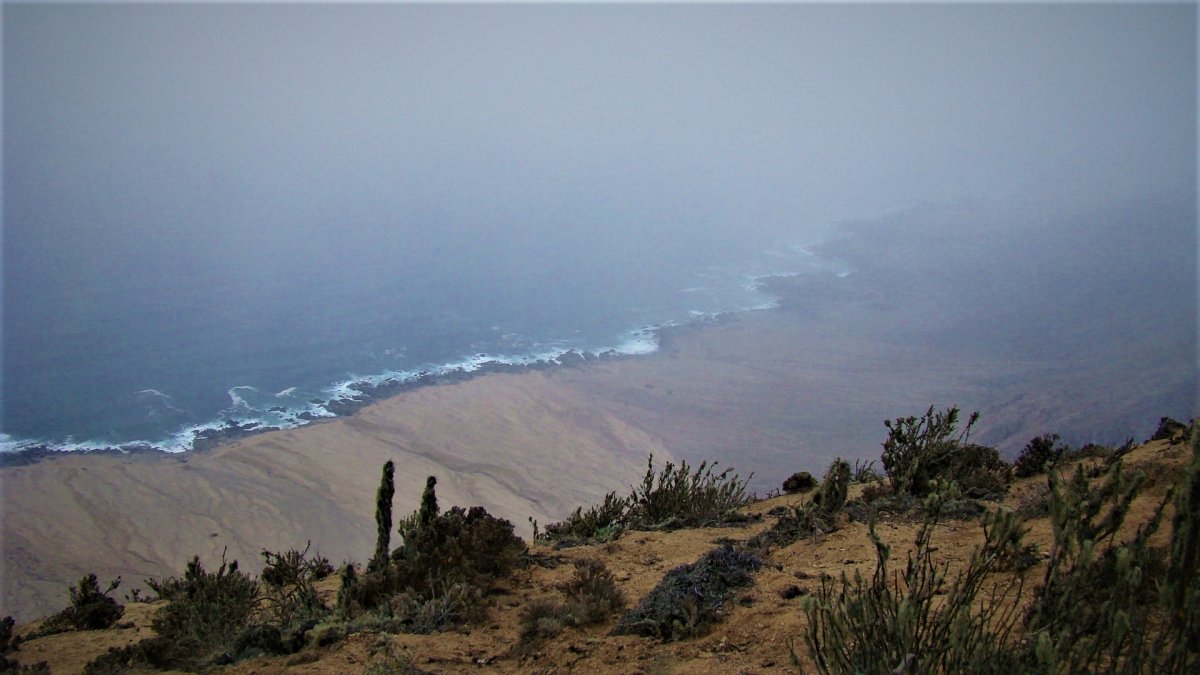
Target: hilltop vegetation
(1066,561)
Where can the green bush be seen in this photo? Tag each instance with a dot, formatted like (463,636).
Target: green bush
(675,497)
(817,517)
(801,482)
(1036,454)
(205,611)
(90,609)
(597,523)
(920,450)
(690,597)
(686,498)
(918,622)
(291,602)
(437,576)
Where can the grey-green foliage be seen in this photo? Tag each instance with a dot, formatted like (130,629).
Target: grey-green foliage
(920,621)
(205,610)
(1118,607)
(675,497)
(817,517)
(921,449)
(383,516)
(598,522)
(691,498)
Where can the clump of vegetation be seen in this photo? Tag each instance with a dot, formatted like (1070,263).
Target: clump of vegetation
(1127,607)
(89,609)
(919,450)
(1172,430)
(598,523)
(690,597)
(208,620)
(679,497)
(818,516)
(1104,606)
(437,576)
(290,598)
(591,596)
(801,482)
(9,642)
(864,472)
(676,497)
(1037,454)
(920,621)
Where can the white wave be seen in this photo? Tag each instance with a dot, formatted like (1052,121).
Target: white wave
(286,392)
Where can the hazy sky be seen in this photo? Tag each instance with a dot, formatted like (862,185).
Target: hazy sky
(186,159)
(270,121)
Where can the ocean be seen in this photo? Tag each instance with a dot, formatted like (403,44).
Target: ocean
(241,216)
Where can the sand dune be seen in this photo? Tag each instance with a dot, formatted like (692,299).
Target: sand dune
(520,445)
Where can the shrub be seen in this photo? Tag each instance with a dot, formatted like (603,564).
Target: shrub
(1128,607)
(90,609)
(919,450)
(690,597)
(540,619)
(598,523)
(917,622)
(685,498)
(290,597)
(436,577)
(592,594)
(206,611)
(1036,455)
(800,482)
(817,517)
(1169,429)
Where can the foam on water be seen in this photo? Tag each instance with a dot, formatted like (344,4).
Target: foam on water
(732,289)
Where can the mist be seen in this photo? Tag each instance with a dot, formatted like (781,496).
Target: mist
(286,195)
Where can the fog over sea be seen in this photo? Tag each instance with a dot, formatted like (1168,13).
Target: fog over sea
(221,214)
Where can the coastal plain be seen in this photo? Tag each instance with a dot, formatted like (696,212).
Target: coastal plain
(767,392)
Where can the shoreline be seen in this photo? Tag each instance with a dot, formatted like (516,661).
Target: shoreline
(365,393)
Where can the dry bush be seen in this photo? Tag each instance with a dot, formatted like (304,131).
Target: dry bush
(89,609)
(591,596)
(690,597)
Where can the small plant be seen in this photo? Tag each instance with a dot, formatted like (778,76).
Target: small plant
(90,609)
(800,482)
(1037,455)
(864,472)
(591,597)
(690,597)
